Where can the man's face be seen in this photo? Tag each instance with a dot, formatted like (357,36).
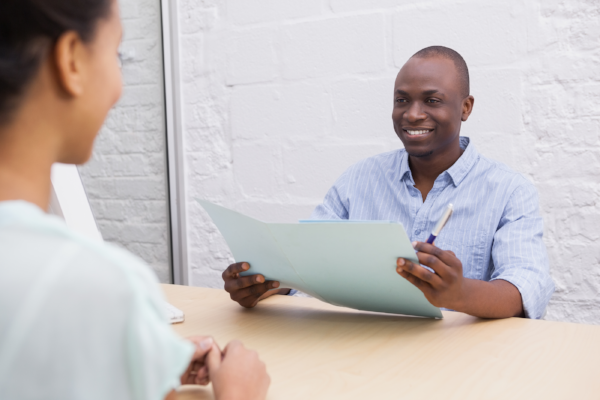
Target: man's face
(429,105)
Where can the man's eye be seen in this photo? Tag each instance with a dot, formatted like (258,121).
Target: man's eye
(431,101)
(400,100)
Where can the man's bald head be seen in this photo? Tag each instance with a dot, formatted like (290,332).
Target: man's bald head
(459,63)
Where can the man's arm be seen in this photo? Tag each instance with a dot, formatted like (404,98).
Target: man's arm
(447,287)
(519,253)
(520,282)
(332,206)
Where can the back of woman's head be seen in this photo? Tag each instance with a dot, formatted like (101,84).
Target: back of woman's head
(28,31)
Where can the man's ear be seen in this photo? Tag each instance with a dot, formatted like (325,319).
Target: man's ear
(69,53)
(467,108)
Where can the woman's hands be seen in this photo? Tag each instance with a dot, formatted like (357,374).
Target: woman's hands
(197,372)
(235,372)
(238,373)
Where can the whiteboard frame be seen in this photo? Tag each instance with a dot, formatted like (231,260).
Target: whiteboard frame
(175,145)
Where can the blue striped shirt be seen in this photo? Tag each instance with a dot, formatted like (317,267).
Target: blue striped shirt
(495,230)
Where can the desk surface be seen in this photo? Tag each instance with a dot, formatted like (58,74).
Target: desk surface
(314,350)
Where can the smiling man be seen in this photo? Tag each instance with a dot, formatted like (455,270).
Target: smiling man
(490,260)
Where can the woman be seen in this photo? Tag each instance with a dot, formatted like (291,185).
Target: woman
(79,319)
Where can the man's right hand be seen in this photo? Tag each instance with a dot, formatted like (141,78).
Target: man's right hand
(248,290)
(237,373)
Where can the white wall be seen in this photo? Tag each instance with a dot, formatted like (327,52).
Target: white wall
(281,96)
(126,178)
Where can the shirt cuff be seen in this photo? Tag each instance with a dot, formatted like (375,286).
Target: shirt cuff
(534,299)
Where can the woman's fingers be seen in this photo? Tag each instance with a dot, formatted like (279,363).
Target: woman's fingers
(213,360)
(203,345)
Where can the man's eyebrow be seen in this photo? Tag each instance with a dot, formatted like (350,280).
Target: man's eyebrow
(424,93)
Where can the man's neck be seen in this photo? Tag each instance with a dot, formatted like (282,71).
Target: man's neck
(425,170)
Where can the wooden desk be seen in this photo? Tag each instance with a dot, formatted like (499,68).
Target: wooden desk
(317,351)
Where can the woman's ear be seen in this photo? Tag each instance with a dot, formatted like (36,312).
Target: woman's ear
(467,107)
(69,57)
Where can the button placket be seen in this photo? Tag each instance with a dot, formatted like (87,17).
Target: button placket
(423,214)
(420,218)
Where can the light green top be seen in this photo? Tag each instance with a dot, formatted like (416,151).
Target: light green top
(79,319)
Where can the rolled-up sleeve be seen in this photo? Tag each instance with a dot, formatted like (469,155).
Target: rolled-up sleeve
(518,252)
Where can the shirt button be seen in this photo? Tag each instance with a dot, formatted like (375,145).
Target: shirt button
(418,232)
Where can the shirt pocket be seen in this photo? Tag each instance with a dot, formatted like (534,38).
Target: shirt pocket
(470,247)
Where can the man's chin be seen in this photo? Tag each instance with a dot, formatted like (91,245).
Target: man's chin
(419,155)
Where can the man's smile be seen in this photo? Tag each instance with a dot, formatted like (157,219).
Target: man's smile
(417,132)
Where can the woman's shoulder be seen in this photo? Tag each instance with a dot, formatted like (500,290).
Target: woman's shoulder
(93,306)
(38,245)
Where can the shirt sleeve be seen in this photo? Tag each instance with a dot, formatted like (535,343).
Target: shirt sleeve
(156,355)
(93,326)
(518,251)
(333,206)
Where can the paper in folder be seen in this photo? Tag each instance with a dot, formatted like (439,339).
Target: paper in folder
(345,263)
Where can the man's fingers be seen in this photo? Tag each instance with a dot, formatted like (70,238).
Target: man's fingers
(446,256)
(234,269)
(431,261)
(250,297)
(425,287)
(256,290)
(403,265)
(242,282)
(248,302)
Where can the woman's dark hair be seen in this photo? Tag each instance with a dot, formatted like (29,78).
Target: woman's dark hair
(29,29)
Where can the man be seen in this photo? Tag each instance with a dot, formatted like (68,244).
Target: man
(489,261)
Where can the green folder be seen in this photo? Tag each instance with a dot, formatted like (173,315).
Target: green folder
(346,263)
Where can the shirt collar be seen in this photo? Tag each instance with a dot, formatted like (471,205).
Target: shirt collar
(405,172)
(12,211)
(457,172)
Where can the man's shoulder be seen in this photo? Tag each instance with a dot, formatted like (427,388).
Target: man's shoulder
(498,173)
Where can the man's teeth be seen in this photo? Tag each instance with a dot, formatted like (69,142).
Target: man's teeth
(417,132)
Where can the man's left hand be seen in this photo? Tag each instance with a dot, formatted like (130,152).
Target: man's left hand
(445,286)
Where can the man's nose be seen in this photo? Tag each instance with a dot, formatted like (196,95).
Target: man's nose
(415,112)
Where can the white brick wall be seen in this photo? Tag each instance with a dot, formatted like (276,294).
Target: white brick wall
(281,96)
(125,181)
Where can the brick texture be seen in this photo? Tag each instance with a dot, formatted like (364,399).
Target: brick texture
(281,96)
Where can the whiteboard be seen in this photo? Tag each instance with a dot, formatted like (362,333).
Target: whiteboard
(69,201)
